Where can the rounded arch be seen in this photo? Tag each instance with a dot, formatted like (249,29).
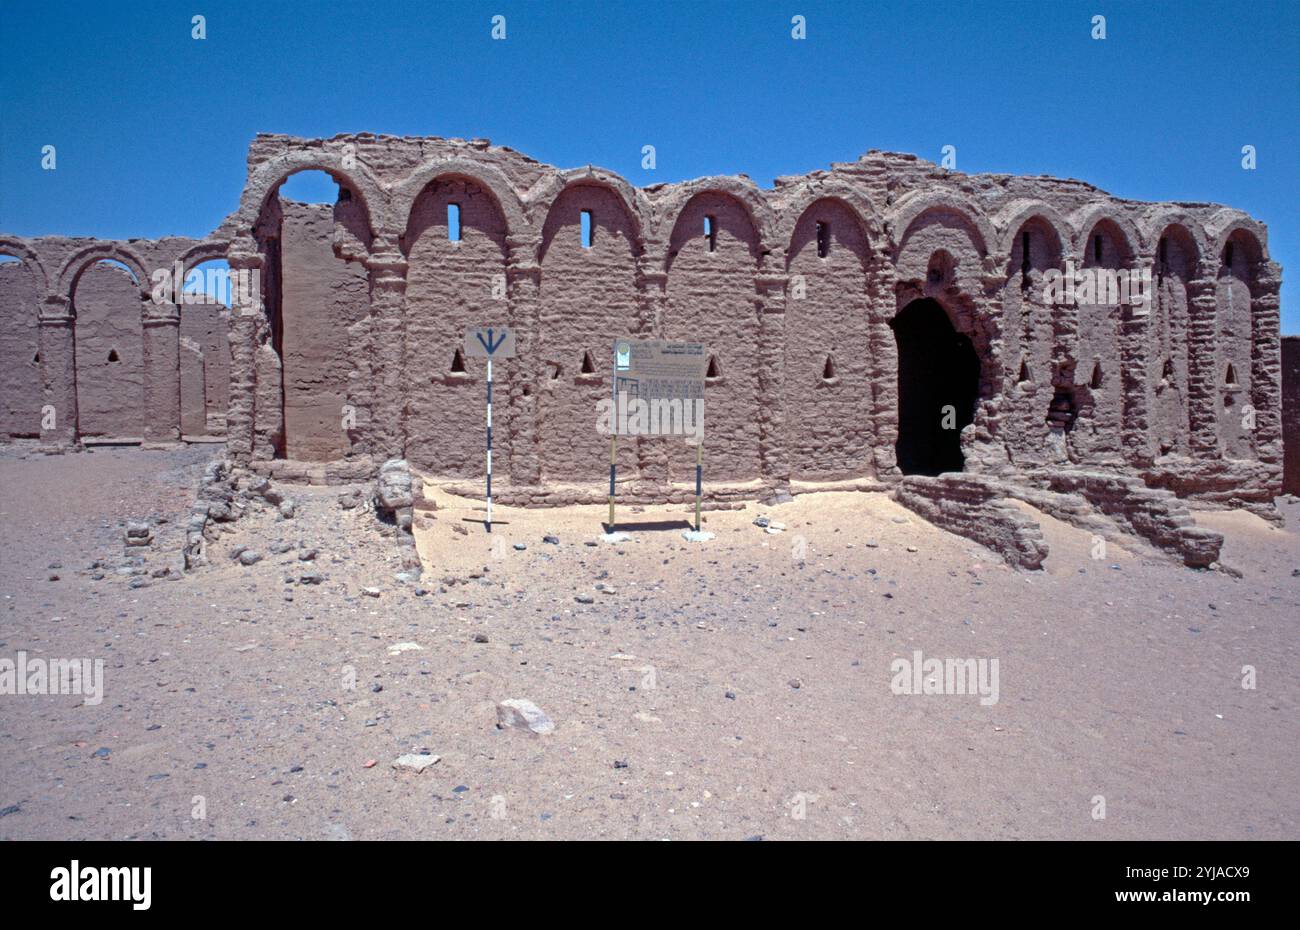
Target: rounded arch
(1086,219)
(83,258)
(1172,220)
(205,251)
(1229,224)
(489,177)
(740,189)
(1012,218)
(267,177)
(913,207)
(857,203)
(17,248)
(543,198)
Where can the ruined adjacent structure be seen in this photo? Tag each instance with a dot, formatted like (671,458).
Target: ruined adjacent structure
(882,318)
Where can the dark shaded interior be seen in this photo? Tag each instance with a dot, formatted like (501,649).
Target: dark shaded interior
(937,367)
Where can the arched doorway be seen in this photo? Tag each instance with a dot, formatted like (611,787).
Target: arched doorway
(938,383)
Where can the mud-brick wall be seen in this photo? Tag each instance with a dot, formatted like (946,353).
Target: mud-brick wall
(110,354)
(712,299)
(588,300)
(20,365)
(322,296)
(1291,413)
(450,286)
(205,368)
(827,367)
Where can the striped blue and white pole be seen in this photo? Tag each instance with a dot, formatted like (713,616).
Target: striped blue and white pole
(489,444)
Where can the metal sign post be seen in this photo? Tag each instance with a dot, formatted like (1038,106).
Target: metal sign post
(489,342)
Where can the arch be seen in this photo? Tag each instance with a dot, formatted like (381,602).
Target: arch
(17,248)
(858,204)
(1086,219)
(546,193)
(489,177)
(206,251)
(80,260)
(267,177)
(741,189)
(914,206)
(1227,224)
(1012,218)
(635,219)
(1159,224)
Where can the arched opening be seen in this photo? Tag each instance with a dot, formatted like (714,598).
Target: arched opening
(206,296)
(938,383)
(108,336)
(20,365)
(313,231)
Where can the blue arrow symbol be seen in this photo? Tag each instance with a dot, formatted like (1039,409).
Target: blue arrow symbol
(491,345)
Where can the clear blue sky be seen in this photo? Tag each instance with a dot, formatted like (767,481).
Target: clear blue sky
(151,127)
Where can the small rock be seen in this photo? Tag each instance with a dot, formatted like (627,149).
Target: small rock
(288,508)
(480,637)
(584,599)
(414,762)
(520,714)
(520,547)
(552,540)
(250,557)
(370,592)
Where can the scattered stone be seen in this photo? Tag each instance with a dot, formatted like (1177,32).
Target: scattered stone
(616,537)
(551,540)
(311,578)
(520,547)
(371,592)
(399,648)
(414,762)
(460,529)
(520,714)
(796,683)
(250,557)
(288,508)
(307,555)
(697,536)
(480,637)
(762,520)
(584,599)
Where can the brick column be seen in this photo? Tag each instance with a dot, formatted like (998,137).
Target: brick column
(771,287)
(1134,343)
(652,453)
(162,373)
(385,431)
(58,375)
(247,316)
(986,450)
(882,405)
(1266,360)
(1202,361)
(523,292)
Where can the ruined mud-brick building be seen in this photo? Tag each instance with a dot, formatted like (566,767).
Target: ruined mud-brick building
(844,310)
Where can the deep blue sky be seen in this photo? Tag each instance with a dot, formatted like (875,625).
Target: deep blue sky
(151,126)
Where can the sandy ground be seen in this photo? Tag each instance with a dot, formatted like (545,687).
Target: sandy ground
(731,689)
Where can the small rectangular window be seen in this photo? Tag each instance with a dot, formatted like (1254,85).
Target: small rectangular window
(711,232)
(453,222)
(823,240)
(588,232)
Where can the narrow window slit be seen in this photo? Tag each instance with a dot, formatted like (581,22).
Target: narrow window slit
(453,222)
(713,371)
(458,363)
(828,370)
(711,232)
(823,240)
(588,365)
(587,222)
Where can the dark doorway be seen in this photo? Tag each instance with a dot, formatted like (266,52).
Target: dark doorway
(937,367)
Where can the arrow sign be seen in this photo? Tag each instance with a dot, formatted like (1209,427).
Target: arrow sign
(490,342)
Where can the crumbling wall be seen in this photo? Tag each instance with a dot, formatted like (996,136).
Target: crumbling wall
(20,365)
(1291,412)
